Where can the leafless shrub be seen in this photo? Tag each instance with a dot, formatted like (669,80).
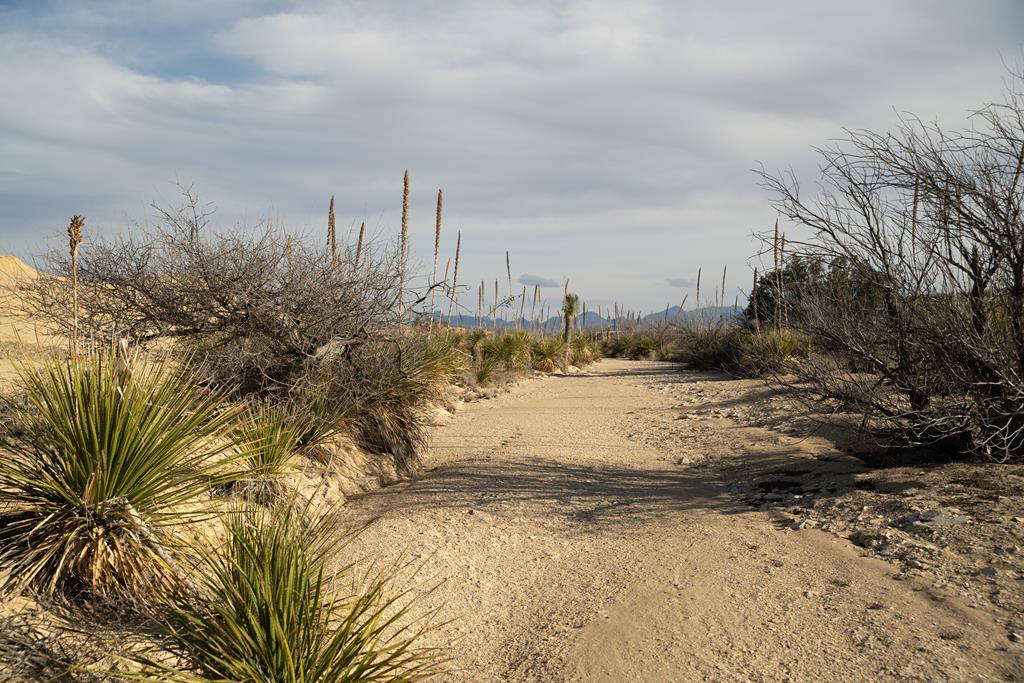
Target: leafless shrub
(918,237)
(266,313)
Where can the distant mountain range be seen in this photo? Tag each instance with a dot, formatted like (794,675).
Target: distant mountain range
(594,321)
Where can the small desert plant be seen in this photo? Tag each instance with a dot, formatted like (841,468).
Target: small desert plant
(547,354)
(387,416)
(90,493)
(473,340)
(645,347)
(641,344)
(266,607)
(584,350)
(267,436)
(510,348)
(619,346)
(707,346)
(770,351)
(485,370)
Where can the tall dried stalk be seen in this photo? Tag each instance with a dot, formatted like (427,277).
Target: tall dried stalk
(722,302)
(778,276)
(455,275)
(403,245)
(782,282)
(359,243)
(494,309)
(74,241)
(480,306)
(522,307)
(532,307)
(700,272)
(437,249)
(332,235)
(753,303)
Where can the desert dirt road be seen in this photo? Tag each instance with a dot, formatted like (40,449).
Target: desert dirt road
(576,528)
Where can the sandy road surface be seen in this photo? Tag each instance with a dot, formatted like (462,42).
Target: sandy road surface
(584,533)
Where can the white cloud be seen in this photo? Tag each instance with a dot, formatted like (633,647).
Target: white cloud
(537,281)
(607,142)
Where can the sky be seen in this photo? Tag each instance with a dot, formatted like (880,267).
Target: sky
(610,143)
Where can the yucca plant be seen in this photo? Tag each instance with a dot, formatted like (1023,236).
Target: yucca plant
(583,351)
(389,419)
(770,351)
(473,341)
(645,348)
(92,490)
(620,346)
(510,348)
(485,370)
(547,353)
(267,436)
(267,609)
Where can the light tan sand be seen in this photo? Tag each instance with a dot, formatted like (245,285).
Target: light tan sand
(581,531)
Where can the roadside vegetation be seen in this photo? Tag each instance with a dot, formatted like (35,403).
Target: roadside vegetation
(901,301)
(152,472)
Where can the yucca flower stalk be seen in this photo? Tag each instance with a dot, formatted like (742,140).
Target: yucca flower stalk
(75,239)
(508,269)
(92,494)
(437,252)
(455,275)
(359,243)
(403,246)
(332,235)
(722,300)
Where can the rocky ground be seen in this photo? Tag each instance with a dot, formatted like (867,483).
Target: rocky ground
(635,522)
(959,526)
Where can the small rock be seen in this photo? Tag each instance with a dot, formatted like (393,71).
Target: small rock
(1016,638)
(935,517)
(988,571)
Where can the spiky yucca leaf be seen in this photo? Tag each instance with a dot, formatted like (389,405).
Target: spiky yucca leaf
(546,353)
(267,436)
(584,350)
(485,370)
(510,348)
(90,492)
(266,610)
(390,419)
